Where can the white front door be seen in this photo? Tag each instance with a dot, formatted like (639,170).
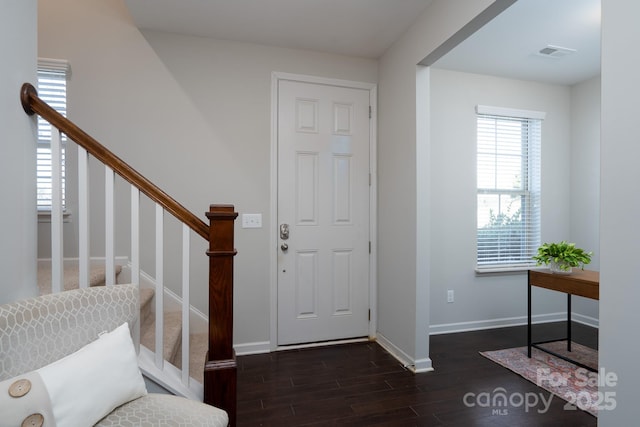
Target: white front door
(323,202)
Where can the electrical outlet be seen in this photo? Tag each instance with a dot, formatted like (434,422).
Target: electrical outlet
(450,295)
(251,220)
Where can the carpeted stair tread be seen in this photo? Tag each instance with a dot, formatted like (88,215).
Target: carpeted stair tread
(172,334)
(146,299)
(172,320)
(199,347)
(199,344)
(71,277)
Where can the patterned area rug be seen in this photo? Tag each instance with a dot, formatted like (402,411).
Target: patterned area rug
(578,386)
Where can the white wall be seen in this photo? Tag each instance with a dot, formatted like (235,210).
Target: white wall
(619,207)
(18,152)
(585,180)
(193,115)
(483,300)
(407,303)
(403,258)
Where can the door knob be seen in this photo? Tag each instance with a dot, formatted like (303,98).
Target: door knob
(284,247)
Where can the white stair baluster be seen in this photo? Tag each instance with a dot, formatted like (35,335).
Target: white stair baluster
(135,253)
(109,203)
(135,236)
(57,244)
(83,217)
(159,295)
(185,304)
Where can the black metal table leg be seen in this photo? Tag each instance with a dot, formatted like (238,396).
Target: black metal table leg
(568,322)
(528,315)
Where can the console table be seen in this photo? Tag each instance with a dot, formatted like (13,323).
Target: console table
(584,283)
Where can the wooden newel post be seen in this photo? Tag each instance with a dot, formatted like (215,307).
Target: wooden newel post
(220,368)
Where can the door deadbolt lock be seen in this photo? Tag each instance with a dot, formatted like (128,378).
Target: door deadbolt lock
(284,231)
(284,247)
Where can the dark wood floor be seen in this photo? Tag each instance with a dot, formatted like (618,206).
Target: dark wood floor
(362,385)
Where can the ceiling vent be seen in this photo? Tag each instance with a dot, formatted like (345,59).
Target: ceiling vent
(556,51)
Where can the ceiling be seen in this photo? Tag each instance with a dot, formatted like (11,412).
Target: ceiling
(363,28)
(507,46)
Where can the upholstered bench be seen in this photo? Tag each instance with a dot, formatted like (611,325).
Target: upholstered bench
(67,359)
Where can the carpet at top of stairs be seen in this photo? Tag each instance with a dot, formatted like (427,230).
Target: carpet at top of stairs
(71,277)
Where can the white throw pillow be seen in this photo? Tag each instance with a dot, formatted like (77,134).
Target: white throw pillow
(88,384)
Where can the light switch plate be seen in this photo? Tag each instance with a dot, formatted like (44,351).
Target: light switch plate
(251,220)
(450,296)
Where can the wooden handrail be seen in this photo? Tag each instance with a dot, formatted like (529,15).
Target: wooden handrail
(32,104)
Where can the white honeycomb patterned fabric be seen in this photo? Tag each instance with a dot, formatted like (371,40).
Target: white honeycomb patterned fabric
(165,410)
(38,331)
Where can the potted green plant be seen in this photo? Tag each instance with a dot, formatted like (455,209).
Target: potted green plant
(562,257)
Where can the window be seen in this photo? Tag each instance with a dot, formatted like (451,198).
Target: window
(52,88)
(508,181)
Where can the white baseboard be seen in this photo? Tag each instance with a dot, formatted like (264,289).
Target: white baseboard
(448,328)
(415,366)
(252,348)
(422,365)
(425,365)
(585,320)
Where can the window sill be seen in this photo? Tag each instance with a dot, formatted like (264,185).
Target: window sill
(506,270)
(45,216)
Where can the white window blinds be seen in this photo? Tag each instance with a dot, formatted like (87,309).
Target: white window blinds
(508,184)
(52,88)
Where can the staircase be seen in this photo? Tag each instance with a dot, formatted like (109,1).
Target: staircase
(172,319)
(219,373)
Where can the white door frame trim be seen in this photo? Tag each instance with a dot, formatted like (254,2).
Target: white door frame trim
(276,77)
